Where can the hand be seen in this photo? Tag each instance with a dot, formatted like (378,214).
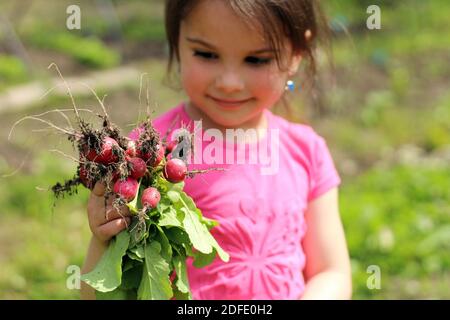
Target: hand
(105,224)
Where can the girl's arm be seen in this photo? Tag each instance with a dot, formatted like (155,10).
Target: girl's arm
(95,252)
(327,272)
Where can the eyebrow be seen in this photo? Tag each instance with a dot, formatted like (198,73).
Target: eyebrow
(206,44)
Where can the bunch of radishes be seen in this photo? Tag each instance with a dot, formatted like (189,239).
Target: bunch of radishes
(147,175)
(144,155)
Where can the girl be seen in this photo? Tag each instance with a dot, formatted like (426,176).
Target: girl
(281,226)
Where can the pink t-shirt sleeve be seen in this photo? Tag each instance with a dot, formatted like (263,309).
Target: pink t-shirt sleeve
(324,175)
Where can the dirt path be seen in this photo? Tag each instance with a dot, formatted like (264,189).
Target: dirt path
(22,97)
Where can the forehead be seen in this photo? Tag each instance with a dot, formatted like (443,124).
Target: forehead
(215,22)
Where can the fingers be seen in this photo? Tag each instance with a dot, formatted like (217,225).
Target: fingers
(105,218)
(111,228)
(97,197)
(99,214)
(115,212)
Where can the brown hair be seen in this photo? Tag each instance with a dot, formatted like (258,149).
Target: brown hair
(288,18)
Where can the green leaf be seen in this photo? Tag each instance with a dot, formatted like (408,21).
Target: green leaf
(178,295)
(164,203)
(222,254)
(133,205)
(139,251)
(182,281)
(133,210)
(179,237)
(155,283)
(202,260)
(174,196)
(177,186)
(107,274)
(166,185)
(129,263)
(210,223)
(163,184)
(138,231)
(189,203)
(169,218)
(136,253)
(132,278)
(166,248)
(197,232)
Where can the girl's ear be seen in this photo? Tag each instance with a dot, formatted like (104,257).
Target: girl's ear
(295,64)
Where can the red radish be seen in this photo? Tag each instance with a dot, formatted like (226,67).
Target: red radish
(171,145)
(131,149)
(150,197)
(106,156)
(159,156)
(138,168)
(175,170)
(126,189)
(148,156)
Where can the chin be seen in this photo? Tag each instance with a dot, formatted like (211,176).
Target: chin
(229,122)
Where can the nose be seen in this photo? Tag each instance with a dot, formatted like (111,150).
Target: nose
(229,81)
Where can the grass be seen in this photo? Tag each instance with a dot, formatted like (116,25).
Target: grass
(12,71)
(398,218)
(144,29)
(40,241)
(89,51)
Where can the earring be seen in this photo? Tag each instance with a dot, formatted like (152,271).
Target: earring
(290,85)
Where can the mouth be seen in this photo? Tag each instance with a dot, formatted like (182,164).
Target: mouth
(226,103)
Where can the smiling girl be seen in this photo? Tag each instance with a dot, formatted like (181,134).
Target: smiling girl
(282,230)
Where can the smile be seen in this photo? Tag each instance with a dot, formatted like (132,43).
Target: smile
(229,103)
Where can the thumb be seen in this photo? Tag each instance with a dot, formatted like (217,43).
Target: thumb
(99,189)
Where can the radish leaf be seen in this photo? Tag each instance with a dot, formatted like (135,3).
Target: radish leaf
(155,283)
(107,274)
(169,218)
(182,281)
(196,231)
(201,260)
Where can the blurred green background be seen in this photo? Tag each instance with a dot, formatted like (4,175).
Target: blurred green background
(384,109)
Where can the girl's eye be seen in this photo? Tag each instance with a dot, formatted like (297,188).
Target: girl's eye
(255,61)
(258,61)
(205,55)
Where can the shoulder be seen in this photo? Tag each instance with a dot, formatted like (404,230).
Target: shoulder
(298,137)
(303,145)
(170,119)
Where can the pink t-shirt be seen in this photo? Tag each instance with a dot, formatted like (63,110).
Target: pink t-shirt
(261,212)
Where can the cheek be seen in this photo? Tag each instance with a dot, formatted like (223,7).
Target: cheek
(267,85)
(194,78)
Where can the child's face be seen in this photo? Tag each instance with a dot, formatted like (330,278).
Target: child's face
(228,80)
